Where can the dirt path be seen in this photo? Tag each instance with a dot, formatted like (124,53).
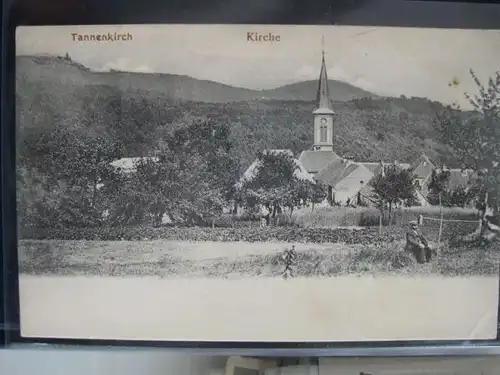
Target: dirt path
(188,250)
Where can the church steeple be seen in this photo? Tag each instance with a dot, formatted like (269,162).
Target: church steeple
(323,95)
(323,114)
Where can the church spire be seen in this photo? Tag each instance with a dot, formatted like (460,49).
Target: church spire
(323,96)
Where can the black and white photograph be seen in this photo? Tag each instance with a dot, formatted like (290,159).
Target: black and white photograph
(261,183)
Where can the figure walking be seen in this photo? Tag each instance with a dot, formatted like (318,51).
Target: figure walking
(289,257)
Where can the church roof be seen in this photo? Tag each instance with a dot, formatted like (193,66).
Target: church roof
(323,96)
(314,161)
(373,167)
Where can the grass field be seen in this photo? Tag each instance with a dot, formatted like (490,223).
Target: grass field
(166,258)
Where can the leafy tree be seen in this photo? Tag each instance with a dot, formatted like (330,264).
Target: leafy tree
(461,196)
(69,166)
(438,186)
(276,186)
(476,140)
(192,178)
(393,186)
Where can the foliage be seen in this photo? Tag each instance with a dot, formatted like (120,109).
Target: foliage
(60,176)
(438,186)
(393,186)
(276,186)
(476,140)
(255,233)
(369,220)
(461,196)
(129,108)
(191,180)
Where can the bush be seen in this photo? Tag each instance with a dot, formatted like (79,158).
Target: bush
(368,220)
(248,234)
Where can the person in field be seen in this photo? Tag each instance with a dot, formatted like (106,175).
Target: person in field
(417,244)
(289,257)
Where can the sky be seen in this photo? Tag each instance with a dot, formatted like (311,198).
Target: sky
(384,60)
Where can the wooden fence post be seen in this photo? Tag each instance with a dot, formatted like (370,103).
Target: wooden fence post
(440,222)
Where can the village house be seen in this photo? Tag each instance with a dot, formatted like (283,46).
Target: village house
(348,182)
(422,170)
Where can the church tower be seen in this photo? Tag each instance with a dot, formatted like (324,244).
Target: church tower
(323,114)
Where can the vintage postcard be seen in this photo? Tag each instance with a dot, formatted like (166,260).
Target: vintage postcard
(258,183)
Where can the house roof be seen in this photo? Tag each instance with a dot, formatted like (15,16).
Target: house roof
(128,165)
(422,167)
(301,173)
(374,167)
(335,171)
(346,177)
(419,161)
(277,151)
(459,177)
(351,181)
(314,161)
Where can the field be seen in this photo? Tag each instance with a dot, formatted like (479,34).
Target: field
(234,291)
(169,258)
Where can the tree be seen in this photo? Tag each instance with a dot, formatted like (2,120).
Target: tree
(438,186)
(192,177)
(476,140)
(393,186)
(461,196)
(69,166)
(276,186)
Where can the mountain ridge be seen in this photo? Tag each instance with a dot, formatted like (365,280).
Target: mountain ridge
(182,87)
(135,109)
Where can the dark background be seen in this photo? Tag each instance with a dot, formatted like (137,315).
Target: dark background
(451,14)
(471,14)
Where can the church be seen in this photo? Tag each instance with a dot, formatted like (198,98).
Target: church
(347,181)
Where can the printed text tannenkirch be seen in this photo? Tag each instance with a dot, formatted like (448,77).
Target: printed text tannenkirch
(101,37)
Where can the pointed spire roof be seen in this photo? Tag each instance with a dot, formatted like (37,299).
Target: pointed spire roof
(323,96)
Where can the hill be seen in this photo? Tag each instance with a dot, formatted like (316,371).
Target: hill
(61,71)
(135,108)
(339,91)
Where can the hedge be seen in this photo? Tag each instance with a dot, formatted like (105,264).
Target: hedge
(249,234)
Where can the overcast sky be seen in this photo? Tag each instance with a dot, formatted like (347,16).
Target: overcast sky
(389,61)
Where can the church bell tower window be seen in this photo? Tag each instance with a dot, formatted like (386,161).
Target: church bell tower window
(323,131)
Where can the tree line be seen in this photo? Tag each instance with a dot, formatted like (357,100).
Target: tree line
(65,177)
